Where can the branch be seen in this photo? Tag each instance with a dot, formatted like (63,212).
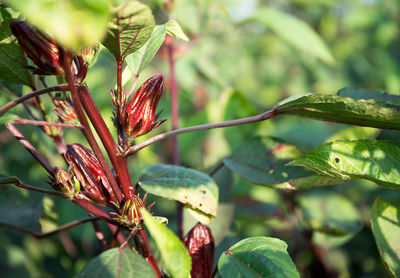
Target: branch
(11,104)
(28,146)
(261,117)
(37,189)
(44,123)
(63,228)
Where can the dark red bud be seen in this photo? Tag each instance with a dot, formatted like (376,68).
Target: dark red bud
(88,171)
(200,244)
(139,116)
(39,47)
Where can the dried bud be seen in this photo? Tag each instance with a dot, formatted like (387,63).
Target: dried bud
(88,171)
(200,244)
(65,110)
(39,47)
(65,182)
(139,115)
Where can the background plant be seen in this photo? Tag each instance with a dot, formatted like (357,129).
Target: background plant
(239,60)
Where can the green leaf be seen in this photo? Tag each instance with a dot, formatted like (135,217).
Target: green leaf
(263,160)
(131,27)
(377,161)
(175,30)
(385,223)
(188,186)
(12,60)
(17,210)
(141,58)
(257,257)
(361,93)
(73,24)
(354,133)
(329,212)
(118,263)
(341,109)
(176,259)
(7,118)
(295,32)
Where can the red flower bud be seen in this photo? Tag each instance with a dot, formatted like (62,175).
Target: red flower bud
(88,171)
(200,244)
(39,47)
(139,115)
(65,182)
(65,110)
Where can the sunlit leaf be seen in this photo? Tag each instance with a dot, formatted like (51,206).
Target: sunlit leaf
(294,31)
(117,262)
(174,255)
(175,30)
(74,24)
(385,223)
(378,161)
(131,27)
(188,186)
(257,257)
(341,109)
(354,133)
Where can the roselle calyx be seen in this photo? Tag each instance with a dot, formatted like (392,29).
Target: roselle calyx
(84,164)
(39,47)
(139,116)
(200,244)
(65,182)
(65,110)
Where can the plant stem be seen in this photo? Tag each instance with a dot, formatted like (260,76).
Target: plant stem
(217,168)
(146,252)
(11,104)
(92,209)
(118,161)
(63,228)
(175,124)
(86,131)
(31,149)
(261,117)
(37,189)
(99,235)
(44,123)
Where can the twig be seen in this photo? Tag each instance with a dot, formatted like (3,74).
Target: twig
(44,123)
(11,104)
(65,227)
(37,189)
(28,146)
(99,235)
(216,169)
(261,117)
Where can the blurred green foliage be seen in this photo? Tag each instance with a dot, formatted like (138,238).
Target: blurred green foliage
(233,66)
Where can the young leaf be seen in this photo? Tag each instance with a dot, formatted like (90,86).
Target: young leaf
(141,58)
(377,161)
(294,31)
(117,262)
(385,224)
(263,160)
(342,109)
(176,259)
(188,186)
(12,60)
(257,257)
(7,118)
(175,30)
(131,27)
(329,212)
(73,24)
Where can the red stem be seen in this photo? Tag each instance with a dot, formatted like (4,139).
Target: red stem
(150,258)
(86,131)
(44,123)
(118,161)
(175,120)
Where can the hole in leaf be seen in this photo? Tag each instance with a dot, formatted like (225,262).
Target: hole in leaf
(337,160)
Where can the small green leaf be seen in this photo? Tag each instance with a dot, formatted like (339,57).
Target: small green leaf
(131,27)
(341,109)
(73,24)
(7,179)
(7,118)
(12,60)
(118,263)
(385,223)
(263,160)
(257,257)
(377,161)
(175,30)
(329,212)
(354,133)
(175,257)
(294,31)
(188,186)
(141,58)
